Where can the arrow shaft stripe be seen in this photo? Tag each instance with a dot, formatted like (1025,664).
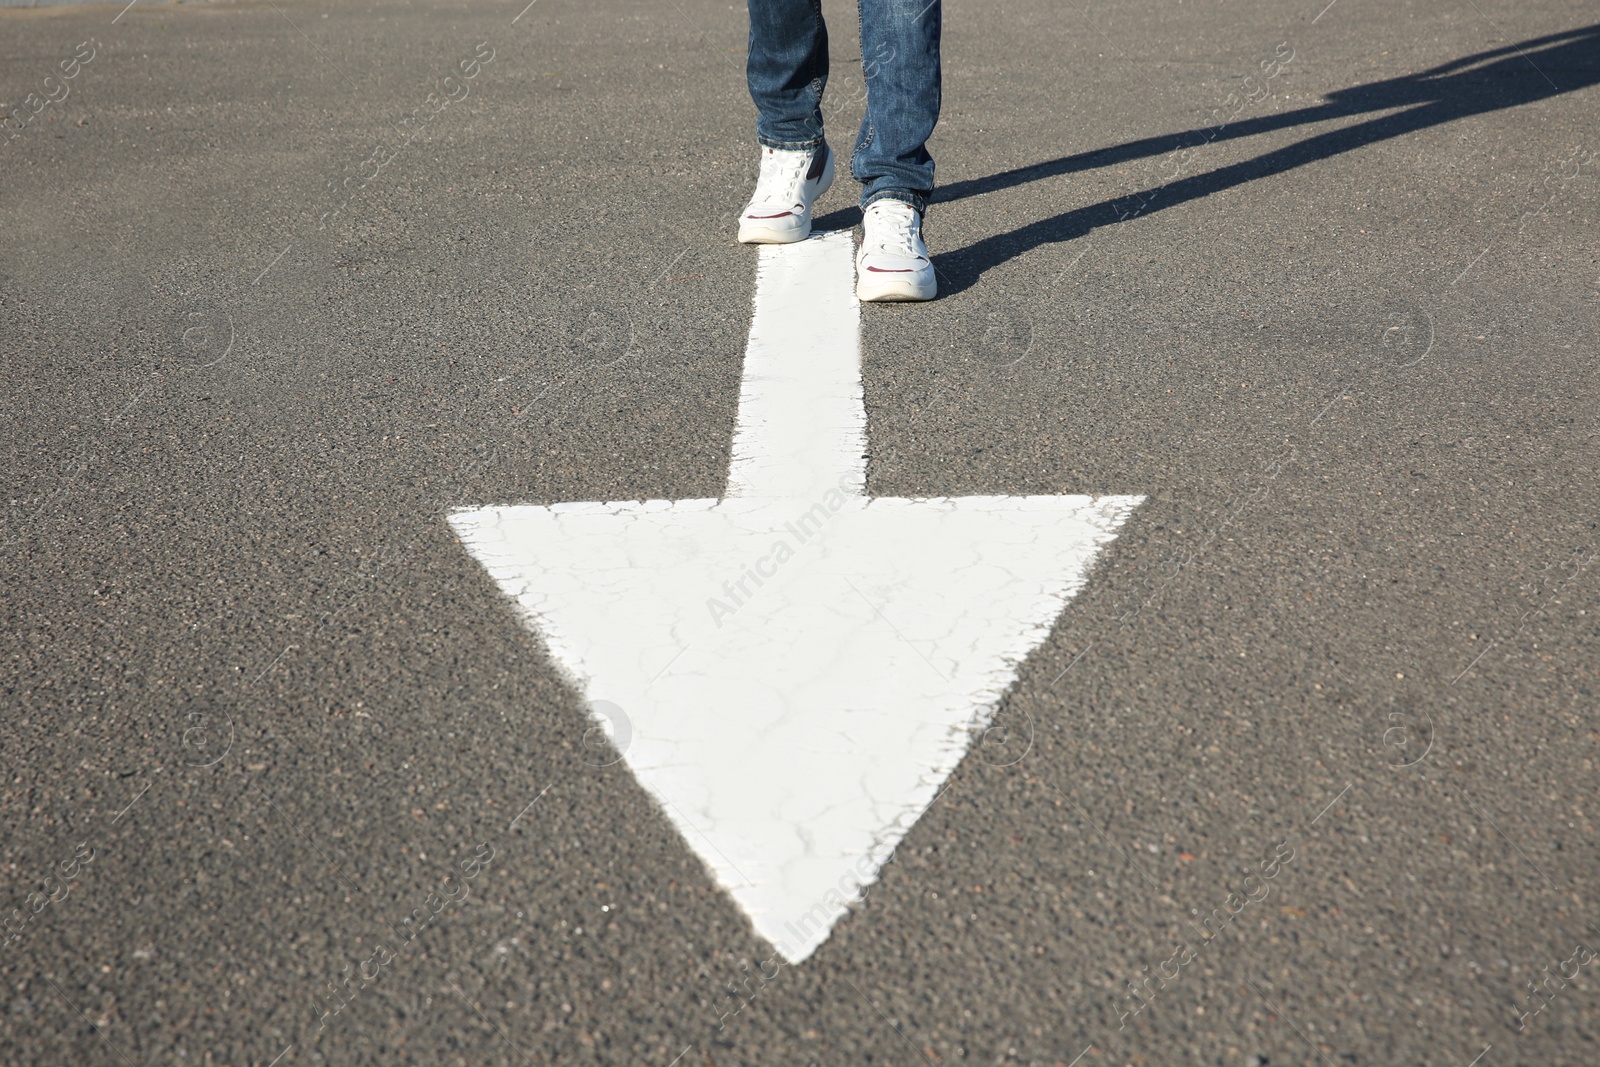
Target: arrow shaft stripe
(802,426)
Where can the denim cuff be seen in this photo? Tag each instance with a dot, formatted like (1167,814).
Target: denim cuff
(767,142)
(916,200)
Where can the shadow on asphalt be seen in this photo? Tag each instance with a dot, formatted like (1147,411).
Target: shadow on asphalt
(1508,76)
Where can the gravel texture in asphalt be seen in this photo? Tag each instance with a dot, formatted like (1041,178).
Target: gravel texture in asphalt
(283,282)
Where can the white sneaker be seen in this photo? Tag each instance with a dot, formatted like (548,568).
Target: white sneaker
(893,263)
(791,181)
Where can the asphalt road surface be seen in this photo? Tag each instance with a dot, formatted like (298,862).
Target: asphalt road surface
(285,282)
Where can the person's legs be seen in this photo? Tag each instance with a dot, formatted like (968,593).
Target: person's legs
(787,71)
(900,57)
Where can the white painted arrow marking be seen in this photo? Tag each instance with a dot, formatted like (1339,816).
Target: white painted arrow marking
(802,666)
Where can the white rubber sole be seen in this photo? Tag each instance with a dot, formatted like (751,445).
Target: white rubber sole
(754,233)
(882,290)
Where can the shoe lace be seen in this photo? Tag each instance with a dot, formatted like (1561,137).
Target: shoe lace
(895,230)
(781,177)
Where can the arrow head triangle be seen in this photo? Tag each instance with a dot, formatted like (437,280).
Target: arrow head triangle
(799,680)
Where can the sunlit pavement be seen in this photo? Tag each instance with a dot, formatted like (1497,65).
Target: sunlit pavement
(1302,773)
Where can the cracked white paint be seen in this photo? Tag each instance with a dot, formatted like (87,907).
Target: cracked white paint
(795,737)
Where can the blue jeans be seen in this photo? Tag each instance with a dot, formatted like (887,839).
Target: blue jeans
(788,69)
